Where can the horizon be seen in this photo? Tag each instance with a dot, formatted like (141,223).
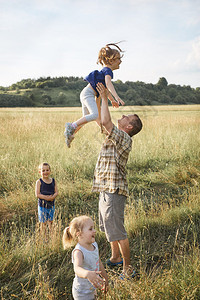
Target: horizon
(51,77)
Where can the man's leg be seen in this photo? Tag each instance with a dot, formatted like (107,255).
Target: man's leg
(111,220)
(125,251)
(121,247)
(115,256)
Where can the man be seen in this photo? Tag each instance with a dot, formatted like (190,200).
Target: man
(110,181)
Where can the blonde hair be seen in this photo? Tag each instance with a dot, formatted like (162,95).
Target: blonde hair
(44,164)
(106,54)
(70,233)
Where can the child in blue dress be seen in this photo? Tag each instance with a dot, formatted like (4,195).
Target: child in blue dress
(110,59)
(89,270)
(46,191)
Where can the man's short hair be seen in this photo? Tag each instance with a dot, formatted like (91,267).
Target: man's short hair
(137,125)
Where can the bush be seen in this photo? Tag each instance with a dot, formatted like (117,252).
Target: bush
(15,101)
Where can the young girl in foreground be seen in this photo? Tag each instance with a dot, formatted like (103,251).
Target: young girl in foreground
(85,257)
(110,59)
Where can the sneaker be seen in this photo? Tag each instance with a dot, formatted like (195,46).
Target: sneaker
(68,133)
(123,276)
(69,140)
(109,263)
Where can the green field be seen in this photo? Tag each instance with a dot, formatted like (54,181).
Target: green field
(162,212)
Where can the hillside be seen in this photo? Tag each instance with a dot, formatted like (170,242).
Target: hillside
(65,91)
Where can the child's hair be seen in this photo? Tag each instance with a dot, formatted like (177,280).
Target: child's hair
(70,233)
(44,164)
(106,54)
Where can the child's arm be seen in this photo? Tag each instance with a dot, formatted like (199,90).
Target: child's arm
(92,276)
(112,100)
(37,191)
(104,275)
(55,191)
(111,89)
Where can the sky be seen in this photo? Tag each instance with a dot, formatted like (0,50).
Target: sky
(41,38)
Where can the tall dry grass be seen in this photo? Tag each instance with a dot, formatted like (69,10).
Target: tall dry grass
(162,212)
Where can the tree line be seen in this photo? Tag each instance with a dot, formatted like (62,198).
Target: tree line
(65,91)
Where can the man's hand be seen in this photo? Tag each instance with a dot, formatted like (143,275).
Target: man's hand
(102,91)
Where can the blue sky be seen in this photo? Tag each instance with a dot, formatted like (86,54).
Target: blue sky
(41,38)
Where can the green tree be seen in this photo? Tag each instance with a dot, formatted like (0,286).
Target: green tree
(61,98)
(162,83)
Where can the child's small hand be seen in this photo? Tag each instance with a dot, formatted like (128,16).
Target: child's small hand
(95,279)
(105,286)
(115,103)
(49,197)
(119,100)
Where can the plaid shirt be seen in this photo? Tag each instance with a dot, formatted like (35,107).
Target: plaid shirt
(110,173)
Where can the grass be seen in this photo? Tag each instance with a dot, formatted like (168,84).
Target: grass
(162,212)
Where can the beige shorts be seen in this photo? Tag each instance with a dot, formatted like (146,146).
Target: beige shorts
(111,216)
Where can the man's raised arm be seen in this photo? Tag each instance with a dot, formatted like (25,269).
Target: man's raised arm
(105,113)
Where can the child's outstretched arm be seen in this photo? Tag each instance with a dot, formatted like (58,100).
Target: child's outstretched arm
(111,89)
(112,100)
(92,276)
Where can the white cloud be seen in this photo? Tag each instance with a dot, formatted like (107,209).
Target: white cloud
(63,37)
(193,58)
(188,59)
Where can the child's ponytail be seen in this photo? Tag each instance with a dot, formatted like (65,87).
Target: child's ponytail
(106,54)
(115,45)
(67,238)
(70,234)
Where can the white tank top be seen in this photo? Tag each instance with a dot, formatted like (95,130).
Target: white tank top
(91,263)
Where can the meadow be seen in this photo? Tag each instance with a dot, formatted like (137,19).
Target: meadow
(162,212)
